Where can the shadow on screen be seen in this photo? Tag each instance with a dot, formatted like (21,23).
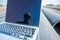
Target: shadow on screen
(26,19)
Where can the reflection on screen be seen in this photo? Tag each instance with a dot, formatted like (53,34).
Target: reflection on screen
(25,12)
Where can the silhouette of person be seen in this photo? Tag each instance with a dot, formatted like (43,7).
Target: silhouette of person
(26,19)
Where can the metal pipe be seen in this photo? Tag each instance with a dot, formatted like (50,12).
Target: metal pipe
(53,18)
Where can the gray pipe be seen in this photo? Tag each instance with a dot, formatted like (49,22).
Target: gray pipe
(53,18)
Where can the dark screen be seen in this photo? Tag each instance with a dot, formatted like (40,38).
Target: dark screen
(25,12)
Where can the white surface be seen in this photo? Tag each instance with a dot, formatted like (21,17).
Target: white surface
(6,37)
(46,30)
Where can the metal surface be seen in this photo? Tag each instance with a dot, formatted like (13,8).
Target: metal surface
(46,32)
(53,18)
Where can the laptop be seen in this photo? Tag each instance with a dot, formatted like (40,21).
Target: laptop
(22,19)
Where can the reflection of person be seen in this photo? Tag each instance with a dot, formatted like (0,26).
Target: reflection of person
(26,19)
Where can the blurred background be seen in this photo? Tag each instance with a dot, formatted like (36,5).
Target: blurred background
(3,4)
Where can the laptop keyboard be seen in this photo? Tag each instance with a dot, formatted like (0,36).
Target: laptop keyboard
(16,31)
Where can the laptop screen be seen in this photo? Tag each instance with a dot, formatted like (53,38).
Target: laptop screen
(26,12)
